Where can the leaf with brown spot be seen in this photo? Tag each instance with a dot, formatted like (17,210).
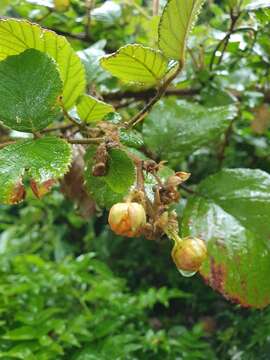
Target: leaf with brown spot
(73,184)
(232,216)
(17,193)
(43,160)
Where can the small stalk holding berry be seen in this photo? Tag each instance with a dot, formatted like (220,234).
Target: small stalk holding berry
(138,216)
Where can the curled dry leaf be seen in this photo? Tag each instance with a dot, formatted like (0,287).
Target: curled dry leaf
(73,186)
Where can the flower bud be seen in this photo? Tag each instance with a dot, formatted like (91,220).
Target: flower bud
(189,254)
(127,219)
(183,176)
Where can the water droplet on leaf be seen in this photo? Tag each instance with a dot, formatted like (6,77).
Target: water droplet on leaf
(186,273)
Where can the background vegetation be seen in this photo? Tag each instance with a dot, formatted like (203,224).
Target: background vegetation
(69,288)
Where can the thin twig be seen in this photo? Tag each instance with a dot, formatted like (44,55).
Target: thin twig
(69,117)
(148,94)
(189,190)
(43,17)
(225,143)
(160,92)
(155,7)
(89,4)
(61,127)
(80,36)
(193,58)
(84,141)
(4,144)
(225,40)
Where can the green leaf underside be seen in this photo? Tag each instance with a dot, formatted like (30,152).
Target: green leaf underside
(177,21)
(109,189)
(176,128)
(92,110)
(258,4)
(29,86)
(19,35)
(232,216)
(44,159)
(136,64)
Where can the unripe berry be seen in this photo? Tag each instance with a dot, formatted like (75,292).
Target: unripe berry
(127,219)
(189,254)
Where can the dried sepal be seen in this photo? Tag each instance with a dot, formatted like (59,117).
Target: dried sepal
(41,189)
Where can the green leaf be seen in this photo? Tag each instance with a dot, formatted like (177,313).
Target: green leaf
(18,35)
(92,110)
(121,174)
(43,159)
(132,138)
(176,128)
(232,216)
(177,21)
(112,188)
(29,86)
(136,64)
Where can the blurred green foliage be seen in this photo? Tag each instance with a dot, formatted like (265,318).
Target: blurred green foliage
(60,301)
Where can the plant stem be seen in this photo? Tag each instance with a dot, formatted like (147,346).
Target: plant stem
(155,7)
(160,92)
(148,93)
(188,189)
(225,40)
(70,118)
(84,141)
(59,127)
(6,144)
(88,7)
(225,143)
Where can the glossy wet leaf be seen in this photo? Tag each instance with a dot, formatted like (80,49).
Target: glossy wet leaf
(92,110)
(18,35)
(136,64)
(42,159)
(131,138)
(112,188)
(177,21)
(232,216)
(176,128)
(29,87)
(121,174)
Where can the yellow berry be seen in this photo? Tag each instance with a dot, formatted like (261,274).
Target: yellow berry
(127,219)
(189,254)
